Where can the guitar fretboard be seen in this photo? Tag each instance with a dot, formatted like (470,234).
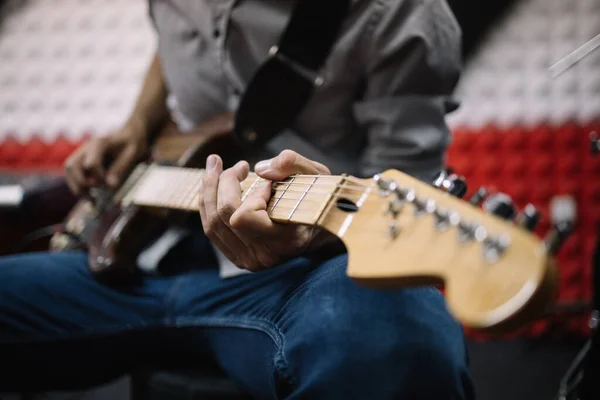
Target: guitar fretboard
(298,199)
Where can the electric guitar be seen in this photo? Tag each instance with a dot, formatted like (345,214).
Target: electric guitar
(398,232)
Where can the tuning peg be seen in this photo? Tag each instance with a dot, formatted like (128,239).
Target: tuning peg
(555,239)
(439,179)
(478,197)
(458,186)
(563,215)
(450,182)
(501,205)
(528,218)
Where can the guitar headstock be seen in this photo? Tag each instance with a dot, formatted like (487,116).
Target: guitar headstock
(403,232)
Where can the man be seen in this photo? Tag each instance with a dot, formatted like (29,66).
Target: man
(292,327)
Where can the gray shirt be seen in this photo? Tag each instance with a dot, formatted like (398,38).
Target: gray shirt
(387,83)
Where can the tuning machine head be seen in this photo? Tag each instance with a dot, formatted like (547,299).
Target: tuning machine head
(478,197)
(501,205)
(528,218)
(451,183)
(563,215)
(441,176)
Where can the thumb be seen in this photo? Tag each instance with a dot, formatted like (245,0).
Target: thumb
(288,163)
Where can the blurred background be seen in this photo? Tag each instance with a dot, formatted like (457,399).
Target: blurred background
(70,69)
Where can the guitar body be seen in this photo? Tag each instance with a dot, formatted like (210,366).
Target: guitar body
(114,235)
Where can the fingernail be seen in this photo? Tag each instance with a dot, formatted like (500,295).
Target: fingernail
(262,166)
(211,161)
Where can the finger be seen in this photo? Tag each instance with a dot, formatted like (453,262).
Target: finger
(252,219)
(74,174)
(93,160)
(215,240)
(229,196)
(288,163)
(121,166)
(213,225)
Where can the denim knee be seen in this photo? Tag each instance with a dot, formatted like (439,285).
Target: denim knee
(354,342)
(34,291)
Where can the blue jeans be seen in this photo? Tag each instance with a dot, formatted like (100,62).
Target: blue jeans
(301,330)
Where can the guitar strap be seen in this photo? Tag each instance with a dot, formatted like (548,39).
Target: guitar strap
(283,84)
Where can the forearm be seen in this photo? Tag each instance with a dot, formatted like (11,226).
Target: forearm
(150,111)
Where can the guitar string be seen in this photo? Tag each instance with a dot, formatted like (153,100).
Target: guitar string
(253,175)
(287,184)
(357,181)
(274,198)
(279,207)
(328,185)
(329,204)
(332,195)
(347,178)
(363,188)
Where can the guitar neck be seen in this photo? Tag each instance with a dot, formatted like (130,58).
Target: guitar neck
(299,199)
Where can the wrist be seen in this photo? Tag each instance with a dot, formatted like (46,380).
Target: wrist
(137,127)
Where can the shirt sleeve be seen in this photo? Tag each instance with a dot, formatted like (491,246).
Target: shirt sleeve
(413,65)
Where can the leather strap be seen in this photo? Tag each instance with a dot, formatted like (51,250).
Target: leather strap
(283,84)
(312,31)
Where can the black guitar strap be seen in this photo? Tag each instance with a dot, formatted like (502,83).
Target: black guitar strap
(283,84)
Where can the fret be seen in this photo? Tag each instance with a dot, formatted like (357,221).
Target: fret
(302,197)
(191,200)
(172,185)
(304,201)
(328,203)
(282,194)
(175,188)
(192,204)
(164,186)
(299,199)
(191,190)
(247,193)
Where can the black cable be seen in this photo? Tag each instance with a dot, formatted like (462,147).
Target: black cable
(42,233)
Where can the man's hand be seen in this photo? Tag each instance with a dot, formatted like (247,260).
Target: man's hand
(243,231)
(104,161)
